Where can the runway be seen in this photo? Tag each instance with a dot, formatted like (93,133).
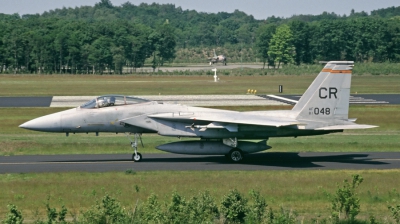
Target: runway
(175,162)
(190,100)
(195,100)
(354,98)
(200,67)
(25,101)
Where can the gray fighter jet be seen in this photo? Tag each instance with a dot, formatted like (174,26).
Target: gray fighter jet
(217,58)
(322,109)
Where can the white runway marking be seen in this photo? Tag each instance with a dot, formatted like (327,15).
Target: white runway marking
(190,100)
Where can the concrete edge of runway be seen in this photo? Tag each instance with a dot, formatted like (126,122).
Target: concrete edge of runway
(195,100)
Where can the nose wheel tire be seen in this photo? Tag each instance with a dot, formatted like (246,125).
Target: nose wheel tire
(137,157)
(235,155)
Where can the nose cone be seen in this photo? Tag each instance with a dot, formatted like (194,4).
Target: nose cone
(48,123)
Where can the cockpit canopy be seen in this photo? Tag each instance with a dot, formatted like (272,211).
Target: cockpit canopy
(112,100)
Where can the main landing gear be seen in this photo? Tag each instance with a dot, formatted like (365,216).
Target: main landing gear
(136,156)
(235,155)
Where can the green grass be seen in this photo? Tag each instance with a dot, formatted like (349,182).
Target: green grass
(52,144)
(43,144)
(84,85)
(302,191)
(246,54)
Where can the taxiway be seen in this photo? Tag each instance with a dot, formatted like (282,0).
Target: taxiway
(175,162)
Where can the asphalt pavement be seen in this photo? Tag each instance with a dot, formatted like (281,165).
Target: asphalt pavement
(204,66)
(25,101)
(194,100)
(359,98)
(176,162)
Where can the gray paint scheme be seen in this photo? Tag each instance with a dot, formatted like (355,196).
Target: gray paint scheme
(217,58)
(323,109)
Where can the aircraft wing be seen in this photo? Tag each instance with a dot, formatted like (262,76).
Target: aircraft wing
(232,118)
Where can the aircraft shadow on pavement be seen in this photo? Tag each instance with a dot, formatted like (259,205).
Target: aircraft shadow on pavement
(295,160)
(285,159)
(275,159)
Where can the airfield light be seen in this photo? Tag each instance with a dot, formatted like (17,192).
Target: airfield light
(215,74)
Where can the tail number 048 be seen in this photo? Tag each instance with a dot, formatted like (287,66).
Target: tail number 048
(320,111)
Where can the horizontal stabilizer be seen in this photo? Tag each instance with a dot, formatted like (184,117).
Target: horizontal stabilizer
(344,127)
(283,99)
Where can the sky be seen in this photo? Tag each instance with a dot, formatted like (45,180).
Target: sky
(260,9)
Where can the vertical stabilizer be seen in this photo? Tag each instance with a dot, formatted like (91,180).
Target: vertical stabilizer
(327,98)
(215,55)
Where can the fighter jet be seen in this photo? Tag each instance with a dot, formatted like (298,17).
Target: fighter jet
(322,109)
(220,58)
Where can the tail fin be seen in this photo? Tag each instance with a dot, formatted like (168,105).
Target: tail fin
(327,98)
(215,55)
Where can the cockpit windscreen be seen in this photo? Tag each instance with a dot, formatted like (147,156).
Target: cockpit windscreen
(111,100)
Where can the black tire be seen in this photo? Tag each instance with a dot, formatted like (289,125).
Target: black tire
(235,155)
(137,158)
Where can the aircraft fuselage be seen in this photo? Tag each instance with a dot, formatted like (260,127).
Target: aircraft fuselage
(183,121)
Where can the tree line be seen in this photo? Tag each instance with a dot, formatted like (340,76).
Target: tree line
(105,38)
(363,39)
(52,45)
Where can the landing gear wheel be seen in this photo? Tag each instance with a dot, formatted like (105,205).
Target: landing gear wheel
(235,155)
(137,157)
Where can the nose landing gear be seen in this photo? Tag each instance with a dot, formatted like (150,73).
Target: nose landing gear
(136,156)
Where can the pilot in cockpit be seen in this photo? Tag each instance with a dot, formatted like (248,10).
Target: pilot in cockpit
(111,101)
(105,101)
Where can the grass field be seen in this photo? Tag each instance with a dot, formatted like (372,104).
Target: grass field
(93,85)
(302,191)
